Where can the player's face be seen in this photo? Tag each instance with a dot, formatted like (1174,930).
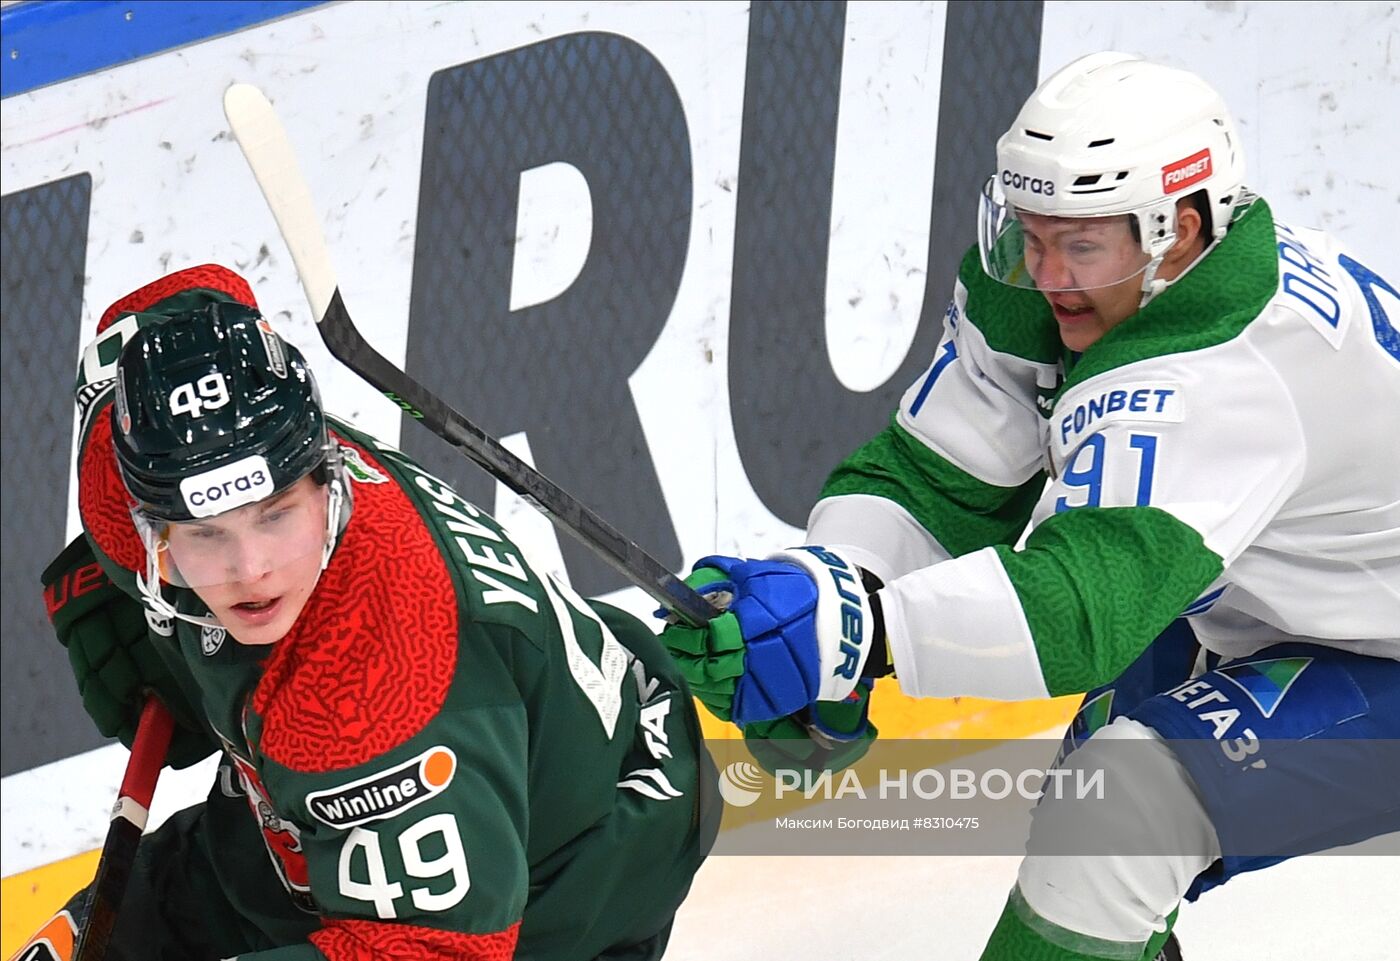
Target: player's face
(1088,268)
(256,566)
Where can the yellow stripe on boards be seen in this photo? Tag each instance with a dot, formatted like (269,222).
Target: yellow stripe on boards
(32,897)
(899,716)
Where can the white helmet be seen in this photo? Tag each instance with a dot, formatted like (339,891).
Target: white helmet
(1111,134)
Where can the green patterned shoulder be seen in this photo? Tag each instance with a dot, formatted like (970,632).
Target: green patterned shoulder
(1212,304)
(1012,320)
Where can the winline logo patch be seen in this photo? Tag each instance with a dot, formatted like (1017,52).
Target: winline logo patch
(387,793)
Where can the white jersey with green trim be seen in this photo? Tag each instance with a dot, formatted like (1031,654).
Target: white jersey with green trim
(1231,454)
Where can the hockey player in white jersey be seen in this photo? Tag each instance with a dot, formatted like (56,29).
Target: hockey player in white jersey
(1160,421)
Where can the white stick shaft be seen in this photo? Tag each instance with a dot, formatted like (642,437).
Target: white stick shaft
(264,142)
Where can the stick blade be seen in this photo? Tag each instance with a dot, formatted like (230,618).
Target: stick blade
(263,140)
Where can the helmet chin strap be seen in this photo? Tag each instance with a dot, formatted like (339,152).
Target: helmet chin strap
(338,504)
(149,585)
(1152,285)
(149,582)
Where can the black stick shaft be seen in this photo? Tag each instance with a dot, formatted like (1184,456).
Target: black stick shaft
(640,568)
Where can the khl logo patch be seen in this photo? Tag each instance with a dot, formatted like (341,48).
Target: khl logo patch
(211,639)
(358,469)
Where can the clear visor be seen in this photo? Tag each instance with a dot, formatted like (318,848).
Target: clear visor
(1037,252)
(241,546)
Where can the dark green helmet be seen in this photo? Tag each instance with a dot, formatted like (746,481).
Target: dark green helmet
(214,410)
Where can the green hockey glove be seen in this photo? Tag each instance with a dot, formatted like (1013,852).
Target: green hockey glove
(113,656)
(710,658)
(827,736)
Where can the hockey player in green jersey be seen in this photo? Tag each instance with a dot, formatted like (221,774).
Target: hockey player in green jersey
(430,749)
(1160,421)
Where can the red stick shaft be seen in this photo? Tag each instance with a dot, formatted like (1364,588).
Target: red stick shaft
(128,822)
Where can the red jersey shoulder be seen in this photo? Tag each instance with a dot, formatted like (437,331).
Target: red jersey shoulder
(371,658)
(102,499)
(366,940)
(205,276)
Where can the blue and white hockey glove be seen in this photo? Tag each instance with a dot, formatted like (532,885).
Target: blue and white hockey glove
(798,629)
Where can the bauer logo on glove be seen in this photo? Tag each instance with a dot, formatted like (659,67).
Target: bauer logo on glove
(845,579)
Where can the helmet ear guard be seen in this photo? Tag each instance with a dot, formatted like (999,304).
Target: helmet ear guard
(1157,224)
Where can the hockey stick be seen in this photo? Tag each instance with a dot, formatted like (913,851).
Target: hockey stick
(265,146)
(128,822)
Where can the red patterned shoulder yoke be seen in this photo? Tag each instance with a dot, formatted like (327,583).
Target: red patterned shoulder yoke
(369,662)
(352,940)
(206,276)
(102,499)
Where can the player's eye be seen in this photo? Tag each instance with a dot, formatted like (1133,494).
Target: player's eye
(273,517)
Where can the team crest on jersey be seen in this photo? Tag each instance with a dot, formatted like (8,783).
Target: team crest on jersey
(1266,682)
(281,837)
(386,793)
(211,639)
(358,469)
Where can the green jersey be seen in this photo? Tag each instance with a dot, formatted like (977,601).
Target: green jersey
(450,754)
